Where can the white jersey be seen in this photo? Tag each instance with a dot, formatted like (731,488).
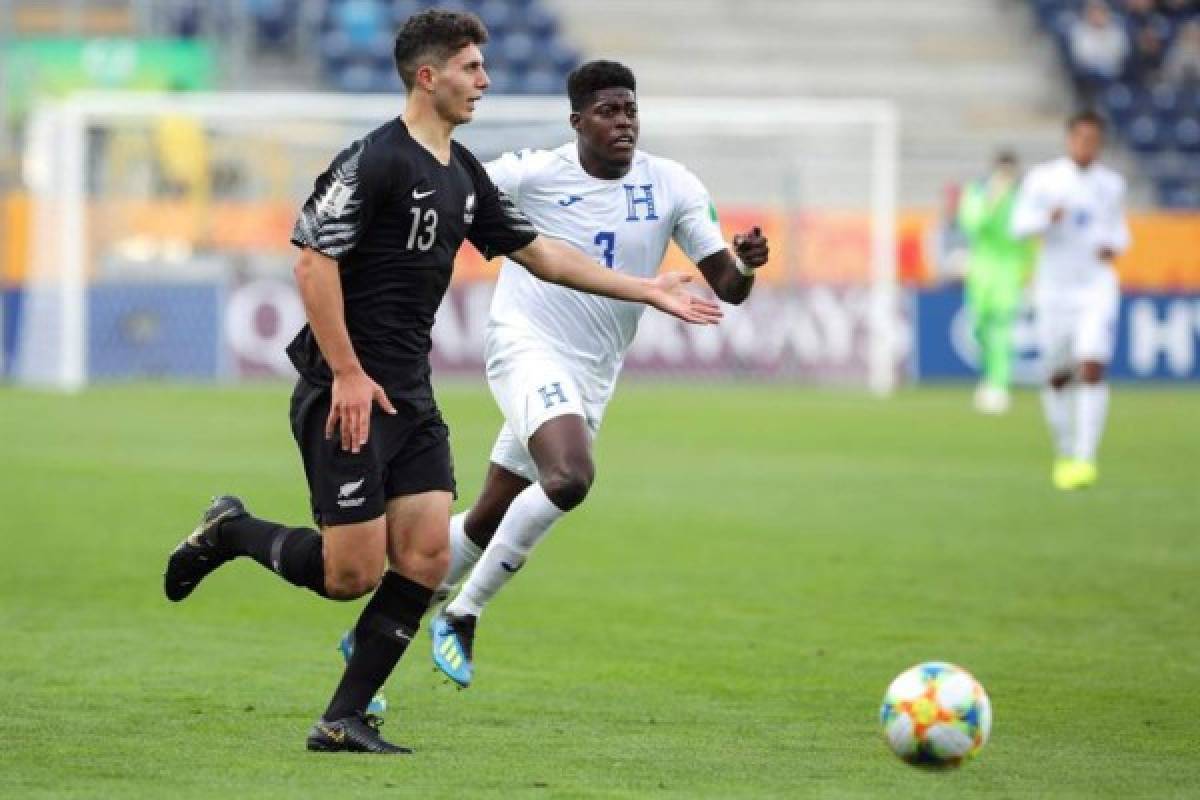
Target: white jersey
(1092,200)
(625,224)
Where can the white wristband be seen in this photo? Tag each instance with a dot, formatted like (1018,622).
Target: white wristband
(741,265)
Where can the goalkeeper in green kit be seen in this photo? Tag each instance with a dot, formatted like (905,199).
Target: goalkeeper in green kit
(997,270)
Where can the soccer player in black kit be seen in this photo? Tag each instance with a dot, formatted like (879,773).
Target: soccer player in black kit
(378,238)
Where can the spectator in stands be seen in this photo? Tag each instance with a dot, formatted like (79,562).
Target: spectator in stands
(1183,59)
(187,19)
(1179,8)
(1098,46)
(1140,14)
(1146,60)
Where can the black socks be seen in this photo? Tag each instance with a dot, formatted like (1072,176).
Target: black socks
(294,553)
(387,624)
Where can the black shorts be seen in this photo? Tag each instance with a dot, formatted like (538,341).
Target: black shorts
(406,453)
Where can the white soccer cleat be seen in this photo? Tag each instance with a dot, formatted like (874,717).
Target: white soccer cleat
(992,400)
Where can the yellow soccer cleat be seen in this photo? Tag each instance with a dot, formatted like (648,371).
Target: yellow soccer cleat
(1064,474)
(1085,474)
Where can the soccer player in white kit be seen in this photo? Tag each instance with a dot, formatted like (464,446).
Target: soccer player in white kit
(553,355)
(1076,206)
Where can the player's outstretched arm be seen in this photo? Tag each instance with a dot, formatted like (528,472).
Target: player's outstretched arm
(556,262)
(731,274)
(320,287)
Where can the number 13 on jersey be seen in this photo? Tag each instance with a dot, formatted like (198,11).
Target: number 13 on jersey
(607,240)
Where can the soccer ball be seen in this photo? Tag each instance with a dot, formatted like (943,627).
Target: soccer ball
(936,715)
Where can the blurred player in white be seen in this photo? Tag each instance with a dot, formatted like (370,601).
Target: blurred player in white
(553,355)
(1076,206)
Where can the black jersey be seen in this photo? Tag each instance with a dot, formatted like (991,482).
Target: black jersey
(394,217)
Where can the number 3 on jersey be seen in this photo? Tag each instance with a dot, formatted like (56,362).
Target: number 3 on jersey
(608,242)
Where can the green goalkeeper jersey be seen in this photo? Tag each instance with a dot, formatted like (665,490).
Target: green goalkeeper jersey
(997,257)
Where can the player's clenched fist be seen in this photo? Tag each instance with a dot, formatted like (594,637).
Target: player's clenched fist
(751,247)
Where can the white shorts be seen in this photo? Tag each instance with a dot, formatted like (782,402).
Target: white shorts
(532,384)
(1077,324)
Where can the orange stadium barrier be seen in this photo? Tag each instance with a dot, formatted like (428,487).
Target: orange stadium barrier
(809,247)
(1165,255)
(14,241)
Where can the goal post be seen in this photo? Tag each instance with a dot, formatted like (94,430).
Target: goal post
(160,226)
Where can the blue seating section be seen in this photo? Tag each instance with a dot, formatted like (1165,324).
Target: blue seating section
(526,53)
(354,38)
(1159,122)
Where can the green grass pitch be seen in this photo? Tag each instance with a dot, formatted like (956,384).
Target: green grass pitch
(720,619)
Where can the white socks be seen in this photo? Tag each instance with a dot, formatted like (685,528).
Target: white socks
(1059,409)
(528,520)
(1076,417)
(1091,410)
(463,552)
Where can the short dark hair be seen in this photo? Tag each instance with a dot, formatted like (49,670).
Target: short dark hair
(434,36)
(1006,158)
(587,79)
(1087,116)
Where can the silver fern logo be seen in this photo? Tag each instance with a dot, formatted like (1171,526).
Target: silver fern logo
(333,203)
(329,222)
(338,198)
(346,492)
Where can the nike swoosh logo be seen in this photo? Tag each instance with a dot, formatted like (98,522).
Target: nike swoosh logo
(566,201)
(509,567)
(422,195)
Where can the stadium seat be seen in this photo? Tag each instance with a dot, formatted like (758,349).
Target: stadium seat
(356,77)
(1120,101)
(1162,167)
(1164,98)
(1061,22)
(560,56)
(1145,134)
(540,23)
(186,21)
(387,80)
(498,16)
(274,22)
(401,10)
(542,80)
(382,48)
(361,20)
(516,50)
(1189,100)
(1186,135)
(503,80)
(335,48)
(1179,195)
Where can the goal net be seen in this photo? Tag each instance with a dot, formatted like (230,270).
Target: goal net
(160,227)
